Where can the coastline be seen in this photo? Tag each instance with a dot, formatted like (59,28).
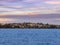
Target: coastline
(30,26)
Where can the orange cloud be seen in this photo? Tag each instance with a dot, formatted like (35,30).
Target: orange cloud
(18,12)
(4,20)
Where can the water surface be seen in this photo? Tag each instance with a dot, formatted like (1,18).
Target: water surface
(29,36)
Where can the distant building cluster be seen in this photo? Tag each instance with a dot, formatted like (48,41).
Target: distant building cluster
(28,25)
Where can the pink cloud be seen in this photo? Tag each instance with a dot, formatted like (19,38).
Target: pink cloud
(30,1)
(52,2)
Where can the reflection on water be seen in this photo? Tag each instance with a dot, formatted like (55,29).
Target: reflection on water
(29,36)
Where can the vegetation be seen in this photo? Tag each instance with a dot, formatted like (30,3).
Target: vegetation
(28,25)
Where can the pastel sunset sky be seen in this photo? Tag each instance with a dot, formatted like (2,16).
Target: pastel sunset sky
(43,11)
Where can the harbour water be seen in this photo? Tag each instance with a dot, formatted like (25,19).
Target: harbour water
(29,36)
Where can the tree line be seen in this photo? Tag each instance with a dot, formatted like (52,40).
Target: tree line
(28,25)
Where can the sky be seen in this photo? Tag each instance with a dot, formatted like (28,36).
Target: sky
(41,11)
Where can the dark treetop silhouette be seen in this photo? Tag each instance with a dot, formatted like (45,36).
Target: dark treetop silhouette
(28,25)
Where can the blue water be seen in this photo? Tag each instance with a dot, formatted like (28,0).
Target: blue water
(29,36)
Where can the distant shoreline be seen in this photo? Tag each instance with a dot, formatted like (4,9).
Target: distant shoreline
(30,25)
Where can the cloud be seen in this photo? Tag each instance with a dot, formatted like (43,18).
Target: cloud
(33,1)
(58,19)
(52,2)
(16,12)
(26,11)
(10,0)
(5,20)
(12,7)
(21,0)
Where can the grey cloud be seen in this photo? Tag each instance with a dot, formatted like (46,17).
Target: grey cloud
(41,16)
(10,0)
